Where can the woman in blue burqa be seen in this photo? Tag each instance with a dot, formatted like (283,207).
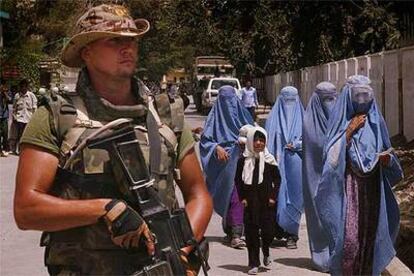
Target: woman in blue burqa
(355,203)
(219,153)
(284,128)
(315,126)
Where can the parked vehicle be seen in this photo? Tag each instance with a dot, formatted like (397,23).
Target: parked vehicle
(206,67)
(209,93)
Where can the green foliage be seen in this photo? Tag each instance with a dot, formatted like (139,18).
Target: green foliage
(35,31)
(258,36)
(377,29)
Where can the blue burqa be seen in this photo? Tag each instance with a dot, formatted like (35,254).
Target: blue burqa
(363,150)
(284,128)
(222,126)
(315,125)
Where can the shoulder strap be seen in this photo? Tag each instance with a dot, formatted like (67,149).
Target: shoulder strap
(81,123)
(170,110)
(177,114)
(154,143)
(163,129)
(63,114)
(70,119)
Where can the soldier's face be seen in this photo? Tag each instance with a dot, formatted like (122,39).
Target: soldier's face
(114,57)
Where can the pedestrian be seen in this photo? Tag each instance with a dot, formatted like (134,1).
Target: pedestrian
(249,98)
(173,90)
(5,99)
(43,96)
(76,194)
(354,200)
(284,128)
(315,125)
(219,152)
(259,179)
(24,105)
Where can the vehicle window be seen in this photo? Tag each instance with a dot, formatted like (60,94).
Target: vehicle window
(203,84)
(206,70)
(216,84)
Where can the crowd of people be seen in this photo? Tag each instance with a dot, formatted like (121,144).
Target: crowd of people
(17,105)
(101,210)
(333,161)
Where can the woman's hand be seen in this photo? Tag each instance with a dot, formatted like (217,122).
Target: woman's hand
(222,154)
(384,159)
(356,123)
(289,146)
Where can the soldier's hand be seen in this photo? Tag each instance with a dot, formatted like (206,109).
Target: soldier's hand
(190,270)
(127,226)
(197,130)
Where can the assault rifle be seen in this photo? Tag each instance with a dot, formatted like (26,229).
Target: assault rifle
(171,228)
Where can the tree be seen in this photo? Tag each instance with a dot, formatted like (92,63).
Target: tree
(258,36)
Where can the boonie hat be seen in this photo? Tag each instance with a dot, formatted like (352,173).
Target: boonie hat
(100,22)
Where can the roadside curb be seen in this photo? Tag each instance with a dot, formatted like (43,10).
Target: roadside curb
(397,268)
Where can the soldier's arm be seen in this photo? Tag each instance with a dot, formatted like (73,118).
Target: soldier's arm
(35,208)
(198,203)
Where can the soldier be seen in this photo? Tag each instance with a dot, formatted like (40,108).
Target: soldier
(71,192)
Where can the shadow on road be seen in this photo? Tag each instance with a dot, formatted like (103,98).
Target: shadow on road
(190,111)
(222,241)
(296,262)
(235,267)
(278,243)
(215,239)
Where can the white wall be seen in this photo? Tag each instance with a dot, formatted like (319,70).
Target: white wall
(408,92)
(385,69)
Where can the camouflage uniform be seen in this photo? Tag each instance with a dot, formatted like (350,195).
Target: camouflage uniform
(72,118)
(89,249)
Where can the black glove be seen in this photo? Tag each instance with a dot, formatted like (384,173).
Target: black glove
(127,226)
(190,270)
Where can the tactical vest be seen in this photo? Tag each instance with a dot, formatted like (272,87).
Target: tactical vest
(88,175)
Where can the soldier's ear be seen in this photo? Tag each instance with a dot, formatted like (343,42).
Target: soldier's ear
(85,53)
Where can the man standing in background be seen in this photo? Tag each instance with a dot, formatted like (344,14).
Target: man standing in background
(24,105)
(249,98)
(5,98)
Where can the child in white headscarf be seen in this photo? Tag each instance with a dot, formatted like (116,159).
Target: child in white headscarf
(258,177)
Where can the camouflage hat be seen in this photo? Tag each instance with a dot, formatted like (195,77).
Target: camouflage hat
(100,22)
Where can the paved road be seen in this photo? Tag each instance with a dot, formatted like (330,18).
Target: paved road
(20,253)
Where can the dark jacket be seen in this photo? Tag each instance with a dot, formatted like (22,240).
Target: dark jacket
(258,210)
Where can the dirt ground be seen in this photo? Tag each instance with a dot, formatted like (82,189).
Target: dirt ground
(405,196)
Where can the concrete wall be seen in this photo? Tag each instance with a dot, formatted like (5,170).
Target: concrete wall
(391,92)
(408,92)
(391,73)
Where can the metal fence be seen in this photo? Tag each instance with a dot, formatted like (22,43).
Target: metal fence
(391,73)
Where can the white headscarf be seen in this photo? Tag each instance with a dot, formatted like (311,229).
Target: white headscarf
(251,156)
(243,134)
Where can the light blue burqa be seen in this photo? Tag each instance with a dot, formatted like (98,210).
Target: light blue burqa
(315,125)
(222,126)
(284,126)
(365,145)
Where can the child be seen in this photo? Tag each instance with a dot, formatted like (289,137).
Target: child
(258,177)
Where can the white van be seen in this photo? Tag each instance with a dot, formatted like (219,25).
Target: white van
(210,94)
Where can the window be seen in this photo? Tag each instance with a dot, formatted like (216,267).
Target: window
(216,84)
